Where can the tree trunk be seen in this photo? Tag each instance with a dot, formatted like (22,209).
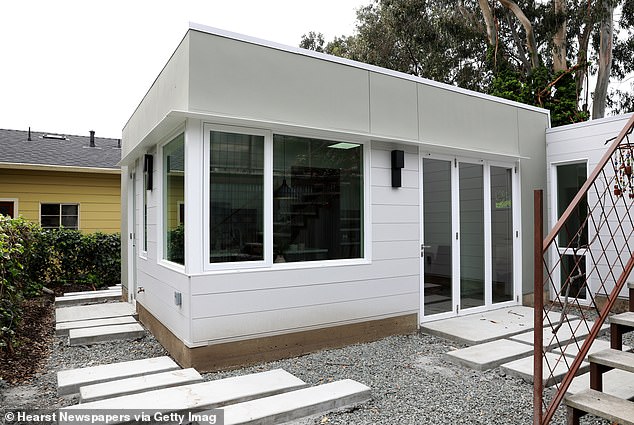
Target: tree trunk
(559,39)
(582,58)
(531,44)
(605,61)
(489,20)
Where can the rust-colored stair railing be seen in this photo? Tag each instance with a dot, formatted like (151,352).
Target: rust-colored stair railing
(581,267)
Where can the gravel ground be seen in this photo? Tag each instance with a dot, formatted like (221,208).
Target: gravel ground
(411,381)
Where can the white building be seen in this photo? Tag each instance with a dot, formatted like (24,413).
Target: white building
(263,215)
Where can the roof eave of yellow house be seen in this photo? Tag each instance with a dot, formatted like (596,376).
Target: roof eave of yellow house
(68,168)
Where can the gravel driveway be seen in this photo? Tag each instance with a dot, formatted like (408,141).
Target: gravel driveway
(411,381)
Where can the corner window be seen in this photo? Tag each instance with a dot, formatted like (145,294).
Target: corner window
(53,216)
(236,197)
(174,194)
(317,199)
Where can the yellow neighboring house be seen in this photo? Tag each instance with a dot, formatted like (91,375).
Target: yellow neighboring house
(61,180)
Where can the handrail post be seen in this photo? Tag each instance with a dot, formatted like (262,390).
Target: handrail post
(538,301)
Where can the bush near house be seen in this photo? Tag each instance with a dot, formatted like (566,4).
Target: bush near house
(31,257)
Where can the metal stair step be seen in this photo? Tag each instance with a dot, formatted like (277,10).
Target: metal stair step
(600,404)
(616,359)
(297,404)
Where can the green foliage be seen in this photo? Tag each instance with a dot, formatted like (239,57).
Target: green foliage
(176,244)
(447,41)
(31,257)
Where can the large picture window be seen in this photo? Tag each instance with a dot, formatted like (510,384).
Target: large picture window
(236,197)
(174,194)
(317,199)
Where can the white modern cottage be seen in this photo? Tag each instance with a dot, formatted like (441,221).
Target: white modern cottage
(278,200)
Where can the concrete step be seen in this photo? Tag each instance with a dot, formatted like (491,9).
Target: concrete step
(615,382)
(606,406)
(99,291)
(298,404)
(624,319)
(138,384)
(563,336)
(619,325)
(614,359)
(69,381)
(87,336)
(93,297)
(63,328)
(490,354)
(206,395)
(97,311)
(523,368)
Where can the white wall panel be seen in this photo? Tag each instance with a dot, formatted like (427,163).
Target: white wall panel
(244,80)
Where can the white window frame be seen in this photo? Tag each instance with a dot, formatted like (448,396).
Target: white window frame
(554,207)
(268,202)
(60,204)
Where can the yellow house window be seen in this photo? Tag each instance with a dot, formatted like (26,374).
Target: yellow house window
(53,216)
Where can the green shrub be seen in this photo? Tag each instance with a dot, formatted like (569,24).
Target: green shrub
(31,257)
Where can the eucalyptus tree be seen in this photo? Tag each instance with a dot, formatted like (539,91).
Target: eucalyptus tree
(536,52)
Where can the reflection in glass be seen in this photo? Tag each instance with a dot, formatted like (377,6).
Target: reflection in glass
(502,234)
(174,193)
(317,199)
(471,194)
(236,197)
(437,238)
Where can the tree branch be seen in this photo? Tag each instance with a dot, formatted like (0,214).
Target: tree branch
(531,44)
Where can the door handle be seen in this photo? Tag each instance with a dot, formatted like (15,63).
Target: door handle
(422,249)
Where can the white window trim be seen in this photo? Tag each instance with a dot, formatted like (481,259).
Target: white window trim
(267,263)
(16,211)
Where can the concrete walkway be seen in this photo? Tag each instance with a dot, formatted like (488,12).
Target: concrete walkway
(504,338)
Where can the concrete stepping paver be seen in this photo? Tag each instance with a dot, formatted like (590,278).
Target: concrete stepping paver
(97,311)
(297,404)
(138,384)
(206,395)
(69,381)
(523,368)
(64,327)
(98,291)
(86,336)
(564,334)
(87,298)
(484,327)
(490,354)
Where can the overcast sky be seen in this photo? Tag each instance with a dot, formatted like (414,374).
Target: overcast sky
(70,66)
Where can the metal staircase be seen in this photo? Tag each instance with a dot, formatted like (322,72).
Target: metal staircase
(582,267)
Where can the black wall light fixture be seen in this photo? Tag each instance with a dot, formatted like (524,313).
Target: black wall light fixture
(148,168)
(398,162)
